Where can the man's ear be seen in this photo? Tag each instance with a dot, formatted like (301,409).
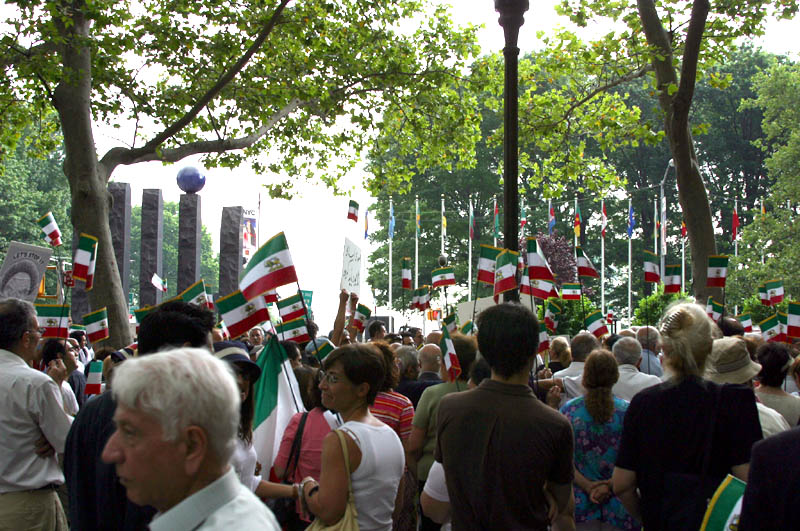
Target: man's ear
(196,441)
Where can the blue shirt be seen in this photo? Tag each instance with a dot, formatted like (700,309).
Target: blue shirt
(650,364)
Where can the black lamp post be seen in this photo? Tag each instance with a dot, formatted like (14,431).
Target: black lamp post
(511,12)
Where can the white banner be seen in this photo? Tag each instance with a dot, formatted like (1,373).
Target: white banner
(351,267)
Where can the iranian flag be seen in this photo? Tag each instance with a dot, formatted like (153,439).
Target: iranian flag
(486,262)
(96,325)
(770,328)
(725,507)
(783,319)
(291,308)
(467,328)
(196,294)
(415,299)
(276,398)
(271,296)
(538,268)
(763,295)
(443,276)
(140,313)
(774,291)
(295,330)
(543,289)
(240,315)
(50,228)
(322,347)
(746,321)
(551,312)
(672,278)
(94,380)
(352,211)
(596,324)
(54,318)
(224,329)
(714,309)
(87,245)
(159,283)
(424,298)
(450,323)
(651,269)
(793,320)
(717,271)
(544,338)
(525,283)
(451,364)
(90,274)
(571,291)
(405,273)
(585,267)
(505,274)
(271,267)
(361,317)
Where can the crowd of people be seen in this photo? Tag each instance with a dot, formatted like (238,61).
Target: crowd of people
(634,430)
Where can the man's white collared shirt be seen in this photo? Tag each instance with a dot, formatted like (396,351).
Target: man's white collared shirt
(631,381)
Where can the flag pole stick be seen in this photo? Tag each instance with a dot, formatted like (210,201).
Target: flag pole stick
(583,309)
(286,374)
(307,317)
(391,237)
(630,266)
(603,262)
(469,250)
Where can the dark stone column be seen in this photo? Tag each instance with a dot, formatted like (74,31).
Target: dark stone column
(151,254)
(230,249)
(79,305)
(119,218)
(189,241)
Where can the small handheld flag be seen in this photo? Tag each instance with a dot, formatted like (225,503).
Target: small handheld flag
(774,291)
(717,271)
(571,291)
(361,316)
(746,321)
(48,224)
(271,267)
(451,363)
(596,324)
(196,294)
(159,283)
(96,325)
(585,267)
(486,263)
(505,275)
(54,318)
(672,278)
(295,330)
(94,380)
(651,269)
(449,322)
(443,276)
(352,211)
(467,328)
(544,338)
(714,309)
(87,248)
(240,315)
(291,308)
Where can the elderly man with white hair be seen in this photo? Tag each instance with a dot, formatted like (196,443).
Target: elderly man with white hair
(628,353)
(650,340)
(176,423)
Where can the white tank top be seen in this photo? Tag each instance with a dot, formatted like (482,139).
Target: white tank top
(377,477)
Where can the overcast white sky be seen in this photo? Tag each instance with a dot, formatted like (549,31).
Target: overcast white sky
(315,223)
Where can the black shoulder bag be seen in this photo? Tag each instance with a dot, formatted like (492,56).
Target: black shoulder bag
(284,508)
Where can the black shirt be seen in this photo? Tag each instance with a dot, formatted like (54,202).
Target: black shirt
(77,381)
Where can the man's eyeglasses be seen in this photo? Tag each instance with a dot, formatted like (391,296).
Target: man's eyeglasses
(330,378)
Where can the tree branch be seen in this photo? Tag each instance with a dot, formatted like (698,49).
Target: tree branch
(691,52)
(18,53)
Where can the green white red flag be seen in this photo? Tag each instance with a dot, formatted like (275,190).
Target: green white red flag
(92,266)
(271,296)
(94,380)
(295,330)
(196,294)
(774,291)
(449,322)
(405,273)
(725,508)
(323,347)
(672,278)
(505,274)
(538,268)
(596,324)
(793,320)
(423,295)
(746,321)
(87,246)
(52,234)
(771,328)
(763,295)
(551,313)
(449,357)
(714,309)
(717,271)
(467,328)
(96,325)
(54,319)
(159,283)
(651,269)
(443,276)
(361,316)
(585,267)
(352,211)
(291,308)
(571,291)
(240,314)
(544,338)
(783,319)
(271,267)
(487,256)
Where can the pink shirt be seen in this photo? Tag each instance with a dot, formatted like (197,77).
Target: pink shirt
(309,462)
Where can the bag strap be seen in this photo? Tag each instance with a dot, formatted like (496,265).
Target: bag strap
(294,453)
(710,434)
(343,442)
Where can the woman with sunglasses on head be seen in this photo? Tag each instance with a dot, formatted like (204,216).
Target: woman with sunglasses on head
(353,376)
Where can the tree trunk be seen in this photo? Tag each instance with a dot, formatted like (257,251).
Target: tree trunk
(87,179)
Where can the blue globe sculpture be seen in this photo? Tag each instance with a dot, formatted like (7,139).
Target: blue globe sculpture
(190,180)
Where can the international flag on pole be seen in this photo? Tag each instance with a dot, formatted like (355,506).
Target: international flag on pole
(496,220)
(793,320)
(196,294)
(551,312)
(471,222)
(571,291)
(734,224)
(361,316)
(578,220)
(96,325)
(486,263)
(538,268)
(418,221)
(87,246)
(651,269)
(725,507)
(746,321)
(683,229)
(94,380)
(714,309)
(774,291)
(551,221)
(443,276)
(240,314)
(54,318)
(544,338)
(295,330)
(159,283)
(391,222)
(405,273)
(271,267)
(672,278)
(505,274)
(271,296)
(604,221)
(631,221)
(50,228)
(585,267)
(352,211)
(291,308)
(467,328)
(451,363)
(366,224)
(276,399)
(717,271)
(449,322)
(770,328)
(596,324)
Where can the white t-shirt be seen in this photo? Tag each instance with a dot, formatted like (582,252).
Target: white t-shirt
(69,399)
(436,487)
(243,462)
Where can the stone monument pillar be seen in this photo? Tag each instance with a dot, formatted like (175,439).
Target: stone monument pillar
(191,181)
(151,251)
(230,249)
(119,219)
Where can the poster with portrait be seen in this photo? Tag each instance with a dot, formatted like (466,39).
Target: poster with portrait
(22,271)
(249,234)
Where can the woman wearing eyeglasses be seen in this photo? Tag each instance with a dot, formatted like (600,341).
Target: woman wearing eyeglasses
(353,376)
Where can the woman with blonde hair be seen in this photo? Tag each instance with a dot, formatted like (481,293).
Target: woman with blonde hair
(559,353)
(682,437)
(596,420)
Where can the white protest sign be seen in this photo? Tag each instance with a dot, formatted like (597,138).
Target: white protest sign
(22,271)
(351,267)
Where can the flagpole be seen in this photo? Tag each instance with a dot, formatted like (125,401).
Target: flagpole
(416,245)
(575,238)
(683,263)
(391,237)
(444,224)
(762,217)
(603,260)
(494,218)
(655,225)
(469,251)
(549,207)
(630,249)
(735,248)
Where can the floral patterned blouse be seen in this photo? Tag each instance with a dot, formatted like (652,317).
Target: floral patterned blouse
(596,447)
